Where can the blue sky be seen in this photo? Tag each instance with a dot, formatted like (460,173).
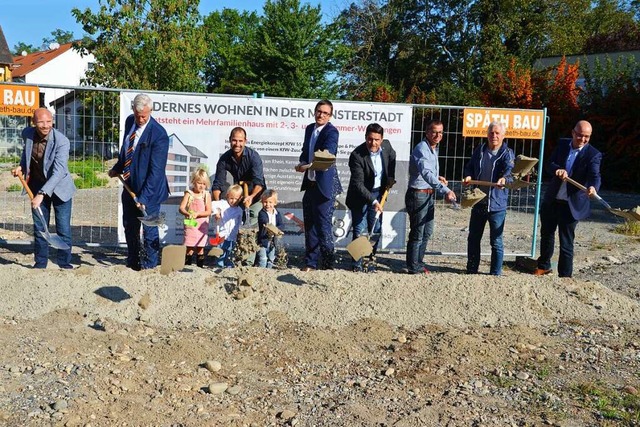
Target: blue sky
(30,21)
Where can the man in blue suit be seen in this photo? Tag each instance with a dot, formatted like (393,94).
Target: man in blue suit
(563,204)
(320,190)
(48,178)
(142,162)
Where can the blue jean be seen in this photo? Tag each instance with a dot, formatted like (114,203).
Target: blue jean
(421,210)
(479,218)
(62,213)
(226,259)
(557,215)
(363,220)
(266,256)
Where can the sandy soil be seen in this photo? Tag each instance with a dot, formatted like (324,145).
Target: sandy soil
(102,345)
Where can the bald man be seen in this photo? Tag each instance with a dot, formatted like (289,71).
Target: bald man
(563,204)
(44,163)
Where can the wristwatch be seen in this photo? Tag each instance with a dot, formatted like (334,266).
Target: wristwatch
(42,192)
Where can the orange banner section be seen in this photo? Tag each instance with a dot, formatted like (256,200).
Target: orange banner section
(19,100)
(526,124)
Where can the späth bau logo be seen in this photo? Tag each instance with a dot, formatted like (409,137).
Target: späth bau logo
(19,100)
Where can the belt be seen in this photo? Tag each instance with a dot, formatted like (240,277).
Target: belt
(376,190)
(424,190)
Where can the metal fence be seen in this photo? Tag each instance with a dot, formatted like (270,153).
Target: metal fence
(90,118)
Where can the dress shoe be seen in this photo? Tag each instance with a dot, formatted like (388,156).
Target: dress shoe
(541,272)
(307,268)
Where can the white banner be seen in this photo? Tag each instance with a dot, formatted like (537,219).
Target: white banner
(199,127)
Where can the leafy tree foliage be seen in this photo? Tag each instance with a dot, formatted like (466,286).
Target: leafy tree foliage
(228,65)
(145,44)
(57,36)
(293,52)
(23,47)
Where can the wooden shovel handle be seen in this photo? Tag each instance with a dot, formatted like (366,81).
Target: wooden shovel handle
(126,187)
(383,200)
(576,183)
(487,183)
(24,184)
(245,188)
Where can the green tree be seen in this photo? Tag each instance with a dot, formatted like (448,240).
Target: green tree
(23,47)
(145,44)
(57,36)
(294,54)
(228,63)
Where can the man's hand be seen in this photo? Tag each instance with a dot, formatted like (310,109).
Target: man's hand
(466,180)
(443,180)
(301,167)
(591,191)
(248,201)
(377,206)
(562,174)
(112,173)
(37,201)
(16,171)
(450,197)
(502,182)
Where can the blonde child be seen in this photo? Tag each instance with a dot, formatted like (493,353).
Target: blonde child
(228,215)
(196,207)
(267,240)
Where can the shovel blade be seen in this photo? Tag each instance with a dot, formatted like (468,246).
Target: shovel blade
(153,220)
(360,247)
(54,240)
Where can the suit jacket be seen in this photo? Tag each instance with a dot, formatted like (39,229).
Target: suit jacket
(263,219)
(585,170)
(363,174)
(55,163)
(148,177)
(327,181)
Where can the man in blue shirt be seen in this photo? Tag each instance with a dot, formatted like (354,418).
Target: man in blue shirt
(424,182)
(243,164)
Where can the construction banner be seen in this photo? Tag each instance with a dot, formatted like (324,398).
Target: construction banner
(19,100)
(525,124)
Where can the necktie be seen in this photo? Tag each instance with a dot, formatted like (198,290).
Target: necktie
(126,172)
(311,175)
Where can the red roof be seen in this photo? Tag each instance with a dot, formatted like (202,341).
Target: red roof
(22,65)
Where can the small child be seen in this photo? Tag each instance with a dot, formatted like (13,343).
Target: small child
(229,215)
(266,239)
(196,207)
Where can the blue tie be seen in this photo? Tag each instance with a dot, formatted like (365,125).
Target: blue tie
(126,172)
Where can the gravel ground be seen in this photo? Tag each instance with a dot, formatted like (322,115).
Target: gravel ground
(105,346)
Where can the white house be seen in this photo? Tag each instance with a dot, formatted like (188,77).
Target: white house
(61,65)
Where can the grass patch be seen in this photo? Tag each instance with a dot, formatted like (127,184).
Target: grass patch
(610,403)
(87,173)
(14,187)
(628,228)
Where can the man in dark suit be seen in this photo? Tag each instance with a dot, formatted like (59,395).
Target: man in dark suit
(142,162)
(373,169)
(564,204)
(321,189)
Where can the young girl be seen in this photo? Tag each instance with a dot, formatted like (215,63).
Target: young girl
(196,207)
(266,239)
(228,216)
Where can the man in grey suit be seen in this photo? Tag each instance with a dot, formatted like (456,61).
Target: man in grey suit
(44,162)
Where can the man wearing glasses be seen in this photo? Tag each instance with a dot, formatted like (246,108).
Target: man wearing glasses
(320,190)
(424,181)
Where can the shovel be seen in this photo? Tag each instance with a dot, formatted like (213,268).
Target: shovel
(601,200)
(515,185)
(149,220)
(247,212)
(362,246)
(53,239)
(291,217)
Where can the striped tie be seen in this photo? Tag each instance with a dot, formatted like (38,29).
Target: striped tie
(126,172)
